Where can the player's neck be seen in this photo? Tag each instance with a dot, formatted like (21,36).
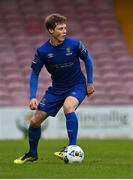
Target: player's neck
(55,42)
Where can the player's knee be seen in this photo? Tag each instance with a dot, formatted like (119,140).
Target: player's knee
(68,108)
(38,118)
(34,123)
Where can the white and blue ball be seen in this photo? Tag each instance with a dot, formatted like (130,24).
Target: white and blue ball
(73,154)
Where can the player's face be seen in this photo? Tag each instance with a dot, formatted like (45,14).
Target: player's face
(59,33)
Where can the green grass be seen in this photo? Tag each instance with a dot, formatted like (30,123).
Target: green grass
(103,159)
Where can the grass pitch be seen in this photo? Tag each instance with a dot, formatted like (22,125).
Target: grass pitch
(103,159)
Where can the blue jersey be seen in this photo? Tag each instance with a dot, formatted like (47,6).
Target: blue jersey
(63,63)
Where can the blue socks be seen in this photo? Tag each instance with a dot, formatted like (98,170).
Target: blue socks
(72,130)
(72,127)
(34,136)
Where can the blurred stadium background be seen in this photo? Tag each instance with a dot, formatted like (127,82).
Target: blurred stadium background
(105,27)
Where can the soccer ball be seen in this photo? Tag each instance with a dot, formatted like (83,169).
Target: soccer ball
(73,154)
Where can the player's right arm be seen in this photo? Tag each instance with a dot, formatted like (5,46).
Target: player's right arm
(33,90)
(36,66)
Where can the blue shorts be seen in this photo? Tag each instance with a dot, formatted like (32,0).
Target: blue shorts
(54,98)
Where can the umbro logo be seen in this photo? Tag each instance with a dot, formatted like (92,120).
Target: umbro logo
(74,93)
(50,55)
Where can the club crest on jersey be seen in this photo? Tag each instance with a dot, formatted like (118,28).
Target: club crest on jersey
(50,55)
(68,51)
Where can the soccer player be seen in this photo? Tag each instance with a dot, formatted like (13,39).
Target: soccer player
(61,56)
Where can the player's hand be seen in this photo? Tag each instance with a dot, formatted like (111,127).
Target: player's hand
(90,89)
(33,104)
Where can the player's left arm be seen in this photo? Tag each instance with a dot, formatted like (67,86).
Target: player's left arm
(86,57)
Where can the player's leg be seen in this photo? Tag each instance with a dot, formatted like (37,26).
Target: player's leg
(49,105)
(34,133)
(70,104)
(74,98)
